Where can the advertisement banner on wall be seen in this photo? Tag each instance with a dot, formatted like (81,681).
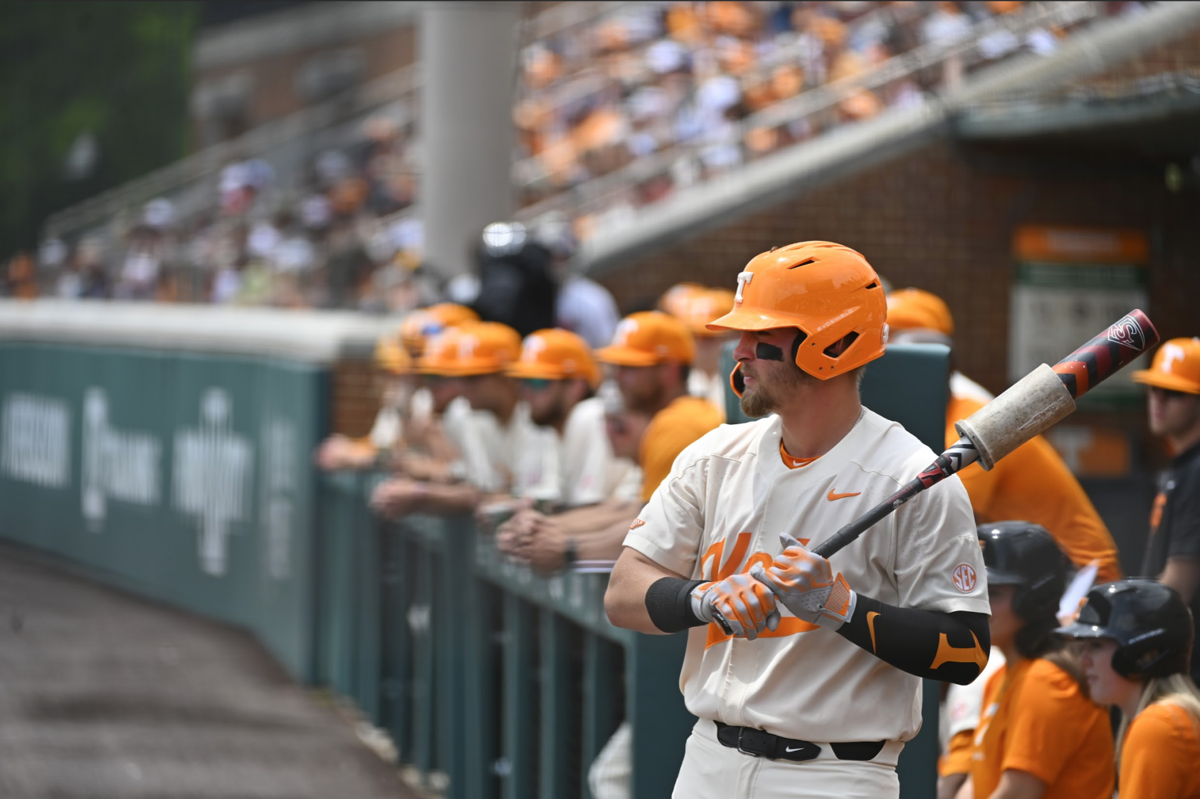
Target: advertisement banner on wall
(1068,283)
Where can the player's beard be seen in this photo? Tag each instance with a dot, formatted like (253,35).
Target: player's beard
(553,414)
(762,397)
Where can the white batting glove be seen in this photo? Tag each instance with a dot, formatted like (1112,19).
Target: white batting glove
(741,606)
(804,583)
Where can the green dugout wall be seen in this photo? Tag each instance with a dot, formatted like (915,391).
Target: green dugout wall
(168,449)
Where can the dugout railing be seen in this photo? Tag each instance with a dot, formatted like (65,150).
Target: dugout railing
(493,682)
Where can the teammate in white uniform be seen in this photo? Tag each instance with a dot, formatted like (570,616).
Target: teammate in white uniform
(825,712)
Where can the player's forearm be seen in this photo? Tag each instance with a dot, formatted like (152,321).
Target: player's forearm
(625,599)
(581,521)
(604,544)
(448,499)
(952,647)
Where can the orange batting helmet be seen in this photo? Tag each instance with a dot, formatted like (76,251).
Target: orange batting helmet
(826,291)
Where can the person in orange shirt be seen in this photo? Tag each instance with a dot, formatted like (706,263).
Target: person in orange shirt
(1040,736)
(653,354)
(1135,638)
(1031,483)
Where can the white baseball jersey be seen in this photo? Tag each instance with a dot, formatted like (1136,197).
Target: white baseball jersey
(577,468)
(505,457)
(721,510)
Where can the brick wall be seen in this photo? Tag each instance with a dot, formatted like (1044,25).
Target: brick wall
(356,397)
(942,219)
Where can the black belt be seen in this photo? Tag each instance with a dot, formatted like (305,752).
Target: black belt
(759,743)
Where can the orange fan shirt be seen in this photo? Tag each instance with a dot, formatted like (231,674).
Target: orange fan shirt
(1036,719)
(669,433)
(1160,755)
(1033,484)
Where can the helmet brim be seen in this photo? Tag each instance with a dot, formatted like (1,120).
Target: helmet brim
(1149,377)
(746,319)
(1081,631)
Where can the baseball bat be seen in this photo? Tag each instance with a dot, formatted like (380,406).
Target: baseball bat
(1030,406)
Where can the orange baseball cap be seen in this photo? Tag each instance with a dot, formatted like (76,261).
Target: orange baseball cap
(649,338)
(1176,367)
(391,357)
(555,354)
(482,348)
(675,299)
(911,309)
(422,323)
(440,354)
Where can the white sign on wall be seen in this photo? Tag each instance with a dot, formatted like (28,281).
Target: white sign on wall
(117,464)
(213,466)
(35,440)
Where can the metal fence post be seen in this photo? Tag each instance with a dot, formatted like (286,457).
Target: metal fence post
(519,663)
(655,710)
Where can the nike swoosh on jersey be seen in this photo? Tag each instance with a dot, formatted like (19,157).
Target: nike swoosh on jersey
(871,626)
(832,496)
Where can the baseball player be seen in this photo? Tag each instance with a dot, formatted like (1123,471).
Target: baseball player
(494,441)
(557,375)
(394,370)
(1173,551)
(652,353)
(804,672)
(1135,645)
(1039,734)
(1031,483)
(696,306)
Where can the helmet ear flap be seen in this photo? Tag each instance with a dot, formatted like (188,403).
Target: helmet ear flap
(800,336)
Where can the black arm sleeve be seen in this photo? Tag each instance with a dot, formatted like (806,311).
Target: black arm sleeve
(669,603)
(952,647)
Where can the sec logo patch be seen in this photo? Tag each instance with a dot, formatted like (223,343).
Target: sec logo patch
(964,578)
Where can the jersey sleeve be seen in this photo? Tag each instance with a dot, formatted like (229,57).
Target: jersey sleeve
(1184,506)
(1159,756)
(939,565)
(590,460)
(1049,722)
(669,529)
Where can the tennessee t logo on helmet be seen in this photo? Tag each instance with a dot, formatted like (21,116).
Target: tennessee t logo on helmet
(826,291)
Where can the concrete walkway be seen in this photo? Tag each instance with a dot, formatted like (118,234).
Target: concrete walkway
(104,695)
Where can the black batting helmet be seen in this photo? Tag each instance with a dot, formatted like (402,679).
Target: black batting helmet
(1025,555)
(1149,621)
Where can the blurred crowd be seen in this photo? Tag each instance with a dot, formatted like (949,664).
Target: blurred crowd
(657,95)
(677,79)
(337,237)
